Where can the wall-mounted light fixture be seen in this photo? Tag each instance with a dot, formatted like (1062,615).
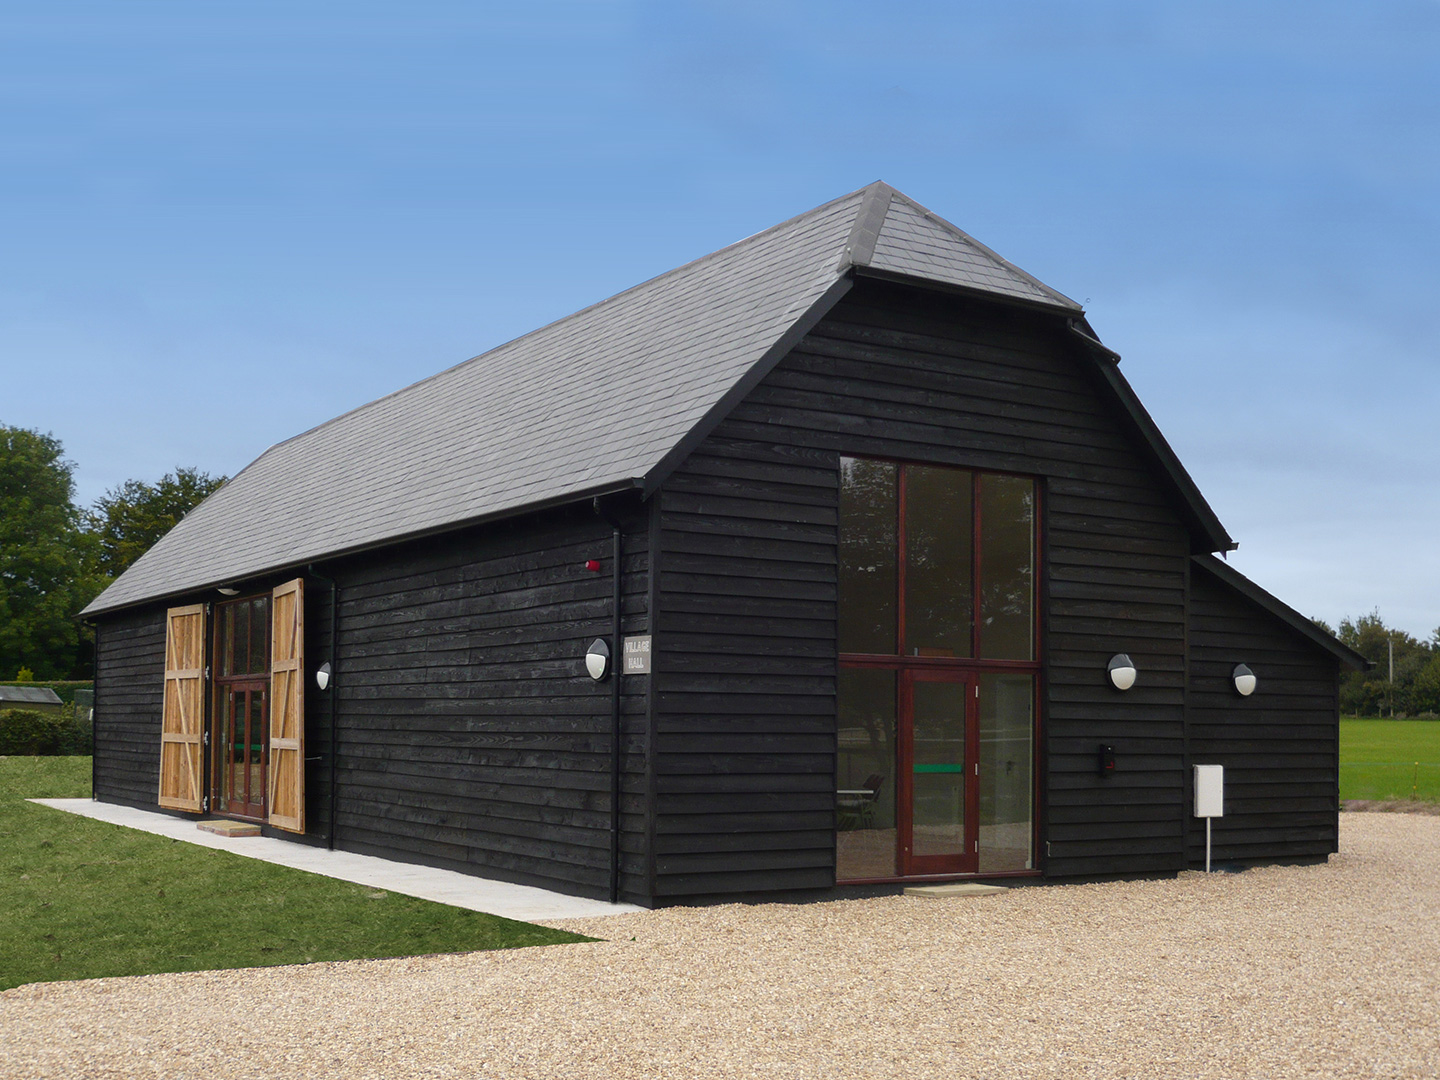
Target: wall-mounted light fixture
(322,676)
(1121,670)
(1244,680)
(225,590)
(597,659)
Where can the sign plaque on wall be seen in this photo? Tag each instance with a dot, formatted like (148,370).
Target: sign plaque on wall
(637,655)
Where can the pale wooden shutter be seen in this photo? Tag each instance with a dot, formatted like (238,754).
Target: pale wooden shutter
(286,799)
(182,722)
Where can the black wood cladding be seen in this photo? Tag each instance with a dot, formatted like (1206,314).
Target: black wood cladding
(471,736)
(1280,746)
(745,705)
(129,692)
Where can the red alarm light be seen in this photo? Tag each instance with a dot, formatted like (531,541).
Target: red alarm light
(593,565)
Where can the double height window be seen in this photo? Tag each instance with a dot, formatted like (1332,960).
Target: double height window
(938,657)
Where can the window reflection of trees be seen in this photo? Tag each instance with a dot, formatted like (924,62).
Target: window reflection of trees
(1007,552)
(868,578)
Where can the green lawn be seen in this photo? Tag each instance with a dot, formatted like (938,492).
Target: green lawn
(1390,759)
(80,899)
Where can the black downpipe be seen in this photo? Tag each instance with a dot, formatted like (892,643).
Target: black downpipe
(617,664)
(330,696)
(94,712)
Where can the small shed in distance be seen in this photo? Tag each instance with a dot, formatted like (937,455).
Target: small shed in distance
(878,507)
(39,699)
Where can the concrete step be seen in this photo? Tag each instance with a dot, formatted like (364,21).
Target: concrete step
(222,827)
(959,888)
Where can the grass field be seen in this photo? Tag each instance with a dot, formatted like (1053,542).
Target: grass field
(81,899)
(1390,759)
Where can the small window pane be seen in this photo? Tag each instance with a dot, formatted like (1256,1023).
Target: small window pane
(243,661)
(865,801)
(938,543)
(1007,568)
(867,617)
(259,624)
(227,639)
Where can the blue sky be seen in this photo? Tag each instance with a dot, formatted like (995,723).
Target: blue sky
(224,223)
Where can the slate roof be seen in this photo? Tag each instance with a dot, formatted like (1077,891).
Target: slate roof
(28,695)
(599,401)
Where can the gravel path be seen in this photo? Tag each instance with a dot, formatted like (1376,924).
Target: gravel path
(1324,971)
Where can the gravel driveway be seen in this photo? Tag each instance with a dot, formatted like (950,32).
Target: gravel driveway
(1323,971)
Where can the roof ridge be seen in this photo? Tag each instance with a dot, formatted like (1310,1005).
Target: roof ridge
(753,237)
(860,246)
(990,252)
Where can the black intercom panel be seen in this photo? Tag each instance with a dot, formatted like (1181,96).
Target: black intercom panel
(1106,760)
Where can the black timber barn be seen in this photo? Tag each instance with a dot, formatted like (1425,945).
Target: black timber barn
(863,514)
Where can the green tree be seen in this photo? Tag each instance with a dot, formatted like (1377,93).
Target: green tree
(129,519)
(1372,693)
(46,568)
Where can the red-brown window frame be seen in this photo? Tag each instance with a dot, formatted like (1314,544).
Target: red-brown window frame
(974,660)
(973,664)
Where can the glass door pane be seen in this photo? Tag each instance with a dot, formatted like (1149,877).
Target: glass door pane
(941,758)
(1007,745)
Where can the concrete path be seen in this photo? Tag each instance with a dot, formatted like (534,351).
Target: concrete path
(442,886)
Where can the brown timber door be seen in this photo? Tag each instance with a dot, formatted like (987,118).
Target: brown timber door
(287,707)
(182,723)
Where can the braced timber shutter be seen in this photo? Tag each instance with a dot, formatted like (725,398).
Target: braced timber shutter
(286,795)
(182,722)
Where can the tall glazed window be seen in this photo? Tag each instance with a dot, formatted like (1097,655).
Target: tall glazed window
(937,633)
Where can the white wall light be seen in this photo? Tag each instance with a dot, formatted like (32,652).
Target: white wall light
(597,659)
(1244,680)
(322,676)
(1121,670)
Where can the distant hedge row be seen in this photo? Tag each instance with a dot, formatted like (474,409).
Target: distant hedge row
(65,690)
(23,731)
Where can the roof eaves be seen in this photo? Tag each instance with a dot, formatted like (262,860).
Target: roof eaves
(969,291)
(737,393)
(1229,576)
(1202,516)
(569,498)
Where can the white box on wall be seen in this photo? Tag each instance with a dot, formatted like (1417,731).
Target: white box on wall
(1209,791)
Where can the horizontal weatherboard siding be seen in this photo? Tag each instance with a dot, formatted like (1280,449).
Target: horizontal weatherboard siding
(470,735)
(747,590)
(1280,747)
(129,693)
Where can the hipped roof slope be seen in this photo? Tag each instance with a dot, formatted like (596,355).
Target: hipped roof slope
(589,404)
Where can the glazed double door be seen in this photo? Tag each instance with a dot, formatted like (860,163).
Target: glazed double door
(242,725)
(965,771)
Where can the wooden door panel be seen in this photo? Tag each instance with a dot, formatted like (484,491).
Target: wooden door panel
(182,721)
(286,789)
